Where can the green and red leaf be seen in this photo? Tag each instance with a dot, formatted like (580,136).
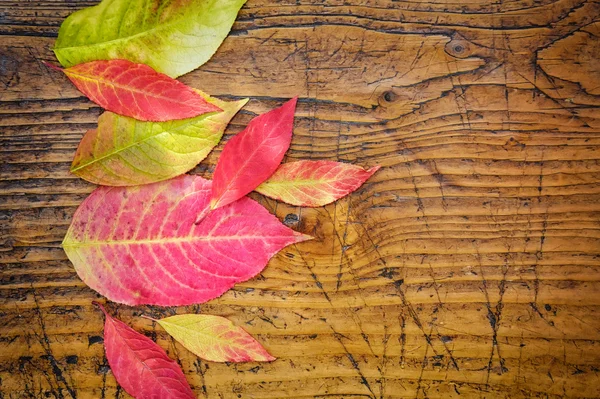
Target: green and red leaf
(214,338)
(137,91)
(123,151)
(173,37)
(314,183)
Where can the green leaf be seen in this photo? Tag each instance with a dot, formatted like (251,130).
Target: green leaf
(126,152)
(172,36)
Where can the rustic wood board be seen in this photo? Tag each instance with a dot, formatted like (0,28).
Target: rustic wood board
(468,266)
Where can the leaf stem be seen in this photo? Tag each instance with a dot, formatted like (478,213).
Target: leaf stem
(101,307)
(148,317)
(49,65)
(202,215)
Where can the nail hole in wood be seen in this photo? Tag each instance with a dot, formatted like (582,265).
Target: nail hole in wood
(291,218)
(389,96)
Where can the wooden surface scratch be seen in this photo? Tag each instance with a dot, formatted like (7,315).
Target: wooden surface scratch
(468,266)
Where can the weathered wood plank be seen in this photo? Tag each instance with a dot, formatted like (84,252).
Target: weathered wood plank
(466,267)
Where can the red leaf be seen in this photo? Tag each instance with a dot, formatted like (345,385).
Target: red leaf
(314,183)
(140,366)
(251,156)
(136,90)
(141,245)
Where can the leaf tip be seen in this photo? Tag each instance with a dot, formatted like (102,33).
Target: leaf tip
(304,237)
(213,108)
(371,171)
(269,358)
(292,103)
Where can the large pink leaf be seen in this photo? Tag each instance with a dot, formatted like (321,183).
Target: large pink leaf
(136,90)
(314,183)
(252,155)
(141,245)
(140,366)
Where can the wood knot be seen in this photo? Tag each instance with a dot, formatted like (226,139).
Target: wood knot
(458,48)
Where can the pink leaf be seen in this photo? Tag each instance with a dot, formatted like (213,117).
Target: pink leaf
(251,156)
(136,90)
(140,366)
(314,183)
(141,245)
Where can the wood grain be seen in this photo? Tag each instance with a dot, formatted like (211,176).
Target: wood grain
(468,266)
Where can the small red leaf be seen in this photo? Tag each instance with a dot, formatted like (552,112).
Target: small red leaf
(314,183)
(136,90)
(252,155)
(142,245)
(140,366)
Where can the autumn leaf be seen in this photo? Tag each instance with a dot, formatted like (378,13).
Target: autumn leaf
(314,183)
(252,155)
(173,37)
(139,365)
(141,245)
(137,91)
(214,338)
(124,151)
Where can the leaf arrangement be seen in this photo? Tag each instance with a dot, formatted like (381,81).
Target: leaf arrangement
(150,234)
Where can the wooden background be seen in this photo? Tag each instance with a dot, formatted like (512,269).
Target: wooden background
(468,266)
